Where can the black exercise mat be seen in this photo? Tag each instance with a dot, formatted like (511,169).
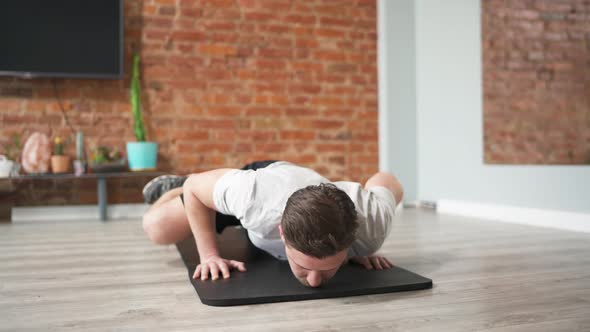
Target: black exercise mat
(270,280)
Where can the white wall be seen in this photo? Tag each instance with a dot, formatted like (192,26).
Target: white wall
(397,93)
(449,120)
(450,126)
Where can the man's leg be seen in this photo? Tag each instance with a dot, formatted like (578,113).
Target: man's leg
(165,222)
(158,186)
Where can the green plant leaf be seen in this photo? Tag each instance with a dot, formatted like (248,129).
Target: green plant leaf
(135,91)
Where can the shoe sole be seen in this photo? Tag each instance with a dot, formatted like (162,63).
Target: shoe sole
(156,180)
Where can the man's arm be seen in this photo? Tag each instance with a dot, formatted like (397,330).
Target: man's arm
(388,181)
(200,210)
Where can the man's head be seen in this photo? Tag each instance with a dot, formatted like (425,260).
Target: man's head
(318,226)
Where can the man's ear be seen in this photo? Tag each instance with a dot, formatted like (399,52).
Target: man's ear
(281,232)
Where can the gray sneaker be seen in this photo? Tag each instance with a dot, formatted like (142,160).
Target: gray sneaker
(160,185)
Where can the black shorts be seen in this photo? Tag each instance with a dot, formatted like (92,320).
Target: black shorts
(223,220)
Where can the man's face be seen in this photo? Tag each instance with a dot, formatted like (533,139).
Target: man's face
(311,271)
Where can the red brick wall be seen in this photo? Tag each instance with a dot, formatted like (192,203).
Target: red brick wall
(226,82)
(536,73)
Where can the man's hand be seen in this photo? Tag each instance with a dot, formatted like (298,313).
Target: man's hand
(216,264)
(372,262)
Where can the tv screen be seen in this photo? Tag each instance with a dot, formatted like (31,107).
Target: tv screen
(61,38)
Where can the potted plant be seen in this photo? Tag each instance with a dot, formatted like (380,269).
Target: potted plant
(60,163)
(106,160)
(141,155)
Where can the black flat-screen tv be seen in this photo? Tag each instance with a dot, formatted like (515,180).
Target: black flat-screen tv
(61,38)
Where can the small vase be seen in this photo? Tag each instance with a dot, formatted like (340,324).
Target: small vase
(15,170)
(5,166)
(79,167)
(60,164)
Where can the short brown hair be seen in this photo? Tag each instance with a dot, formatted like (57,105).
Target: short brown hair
(319,221)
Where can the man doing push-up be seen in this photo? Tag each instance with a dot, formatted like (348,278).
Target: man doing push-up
(289,211)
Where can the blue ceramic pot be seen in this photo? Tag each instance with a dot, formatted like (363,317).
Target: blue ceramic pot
(142,156)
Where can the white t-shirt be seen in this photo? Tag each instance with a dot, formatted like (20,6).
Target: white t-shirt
(258,198)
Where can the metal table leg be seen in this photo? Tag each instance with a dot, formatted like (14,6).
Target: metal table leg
(102,198)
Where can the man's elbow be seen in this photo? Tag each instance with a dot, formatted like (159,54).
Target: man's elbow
(190,186)
(399,194)
(389,181)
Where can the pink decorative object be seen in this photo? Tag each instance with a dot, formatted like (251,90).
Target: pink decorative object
(36,154)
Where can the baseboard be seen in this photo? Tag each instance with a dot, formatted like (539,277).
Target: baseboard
(76,212)
(420,204)
(572,221)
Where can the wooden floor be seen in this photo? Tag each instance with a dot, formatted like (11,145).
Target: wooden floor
(90,276)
